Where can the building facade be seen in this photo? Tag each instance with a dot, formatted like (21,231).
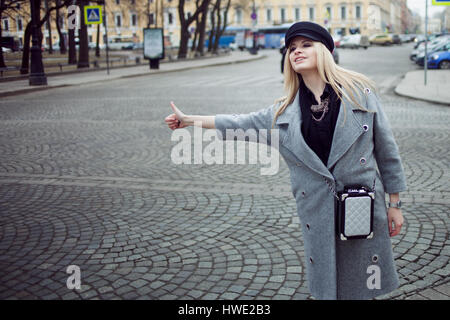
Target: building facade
(127,18)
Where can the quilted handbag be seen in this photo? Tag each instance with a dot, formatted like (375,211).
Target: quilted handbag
(354,213)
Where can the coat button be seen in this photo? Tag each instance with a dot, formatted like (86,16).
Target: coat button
(307,226)
(367,90)
(366,127)
(303,193)
(375,258)
(362,160)
(311,260)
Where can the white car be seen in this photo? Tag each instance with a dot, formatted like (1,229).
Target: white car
(351,41)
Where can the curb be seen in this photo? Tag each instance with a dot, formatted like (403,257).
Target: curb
(399,92)
(34,89)
(411,87)
(76,71)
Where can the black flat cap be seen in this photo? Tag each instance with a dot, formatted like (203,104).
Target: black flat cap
(309,30)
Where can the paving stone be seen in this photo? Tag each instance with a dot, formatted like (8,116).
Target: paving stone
(86,180)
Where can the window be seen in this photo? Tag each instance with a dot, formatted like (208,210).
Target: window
(297,14)
(118,20)
(151,18)
(19,24)
(117,1)
(170,18)
(328,9)
(133,19)
(311,14)
(269,15)
(5,24)
(238,16)
(343,13)
(358,12)
(283,15)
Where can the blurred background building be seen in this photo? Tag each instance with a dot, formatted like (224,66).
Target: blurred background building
(127,18)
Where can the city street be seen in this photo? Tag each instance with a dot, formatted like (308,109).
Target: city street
(87,180)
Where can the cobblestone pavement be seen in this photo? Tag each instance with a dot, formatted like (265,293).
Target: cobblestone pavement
(86,179)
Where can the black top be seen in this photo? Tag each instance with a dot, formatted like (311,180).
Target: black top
(319,135)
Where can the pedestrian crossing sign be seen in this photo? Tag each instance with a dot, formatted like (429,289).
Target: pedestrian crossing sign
(92,14)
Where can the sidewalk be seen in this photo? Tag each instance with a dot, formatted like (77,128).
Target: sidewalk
(73,79)
(436,90)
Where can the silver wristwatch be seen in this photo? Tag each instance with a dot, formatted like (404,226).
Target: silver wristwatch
(397,205)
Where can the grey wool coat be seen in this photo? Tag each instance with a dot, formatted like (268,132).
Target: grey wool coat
(363,148)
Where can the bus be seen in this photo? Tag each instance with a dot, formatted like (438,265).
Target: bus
(232,35)
(273,35)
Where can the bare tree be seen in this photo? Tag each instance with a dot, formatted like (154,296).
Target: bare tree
(185,22)
(27,36)
(221,24)
(201,31)
(218,26)
(62,41)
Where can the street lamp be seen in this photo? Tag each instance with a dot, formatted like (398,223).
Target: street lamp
(37,75)
(254,49)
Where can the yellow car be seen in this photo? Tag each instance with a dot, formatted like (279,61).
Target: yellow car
(383,39)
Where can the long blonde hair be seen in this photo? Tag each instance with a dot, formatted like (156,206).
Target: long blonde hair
(340,79)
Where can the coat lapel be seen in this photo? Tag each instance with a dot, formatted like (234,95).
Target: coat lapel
(346,132)
(295,142)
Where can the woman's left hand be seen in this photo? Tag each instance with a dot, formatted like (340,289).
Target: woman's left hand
(395,217)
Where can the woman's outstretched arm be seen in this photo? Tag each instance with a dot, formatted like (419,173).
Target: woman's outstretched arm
(179,120)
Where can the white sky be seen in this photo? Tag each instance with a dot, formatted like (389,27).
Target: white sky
(419,7)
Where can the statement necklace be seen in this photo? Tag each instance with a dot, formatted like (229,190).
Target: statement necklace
(322,107)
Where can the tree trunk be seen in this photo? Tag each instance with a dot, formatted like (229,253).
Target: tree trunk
(72,58)
(62,41)
(217,30)
(49,28)
(97,45)
(26,50)
(201,38)
(83,49)
(2,59)
(184,30)
(213,28)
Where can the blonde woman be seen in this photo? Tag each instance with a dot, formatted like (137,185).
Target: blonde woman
(333,133)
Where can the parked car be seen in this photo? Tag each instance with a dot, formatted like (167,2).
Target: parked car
(337,40)
(439,60)
(395,38)
(382,39)
(336,56)
(431,46)
(445,46)
(12,43)
(354,41)
(403,38)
